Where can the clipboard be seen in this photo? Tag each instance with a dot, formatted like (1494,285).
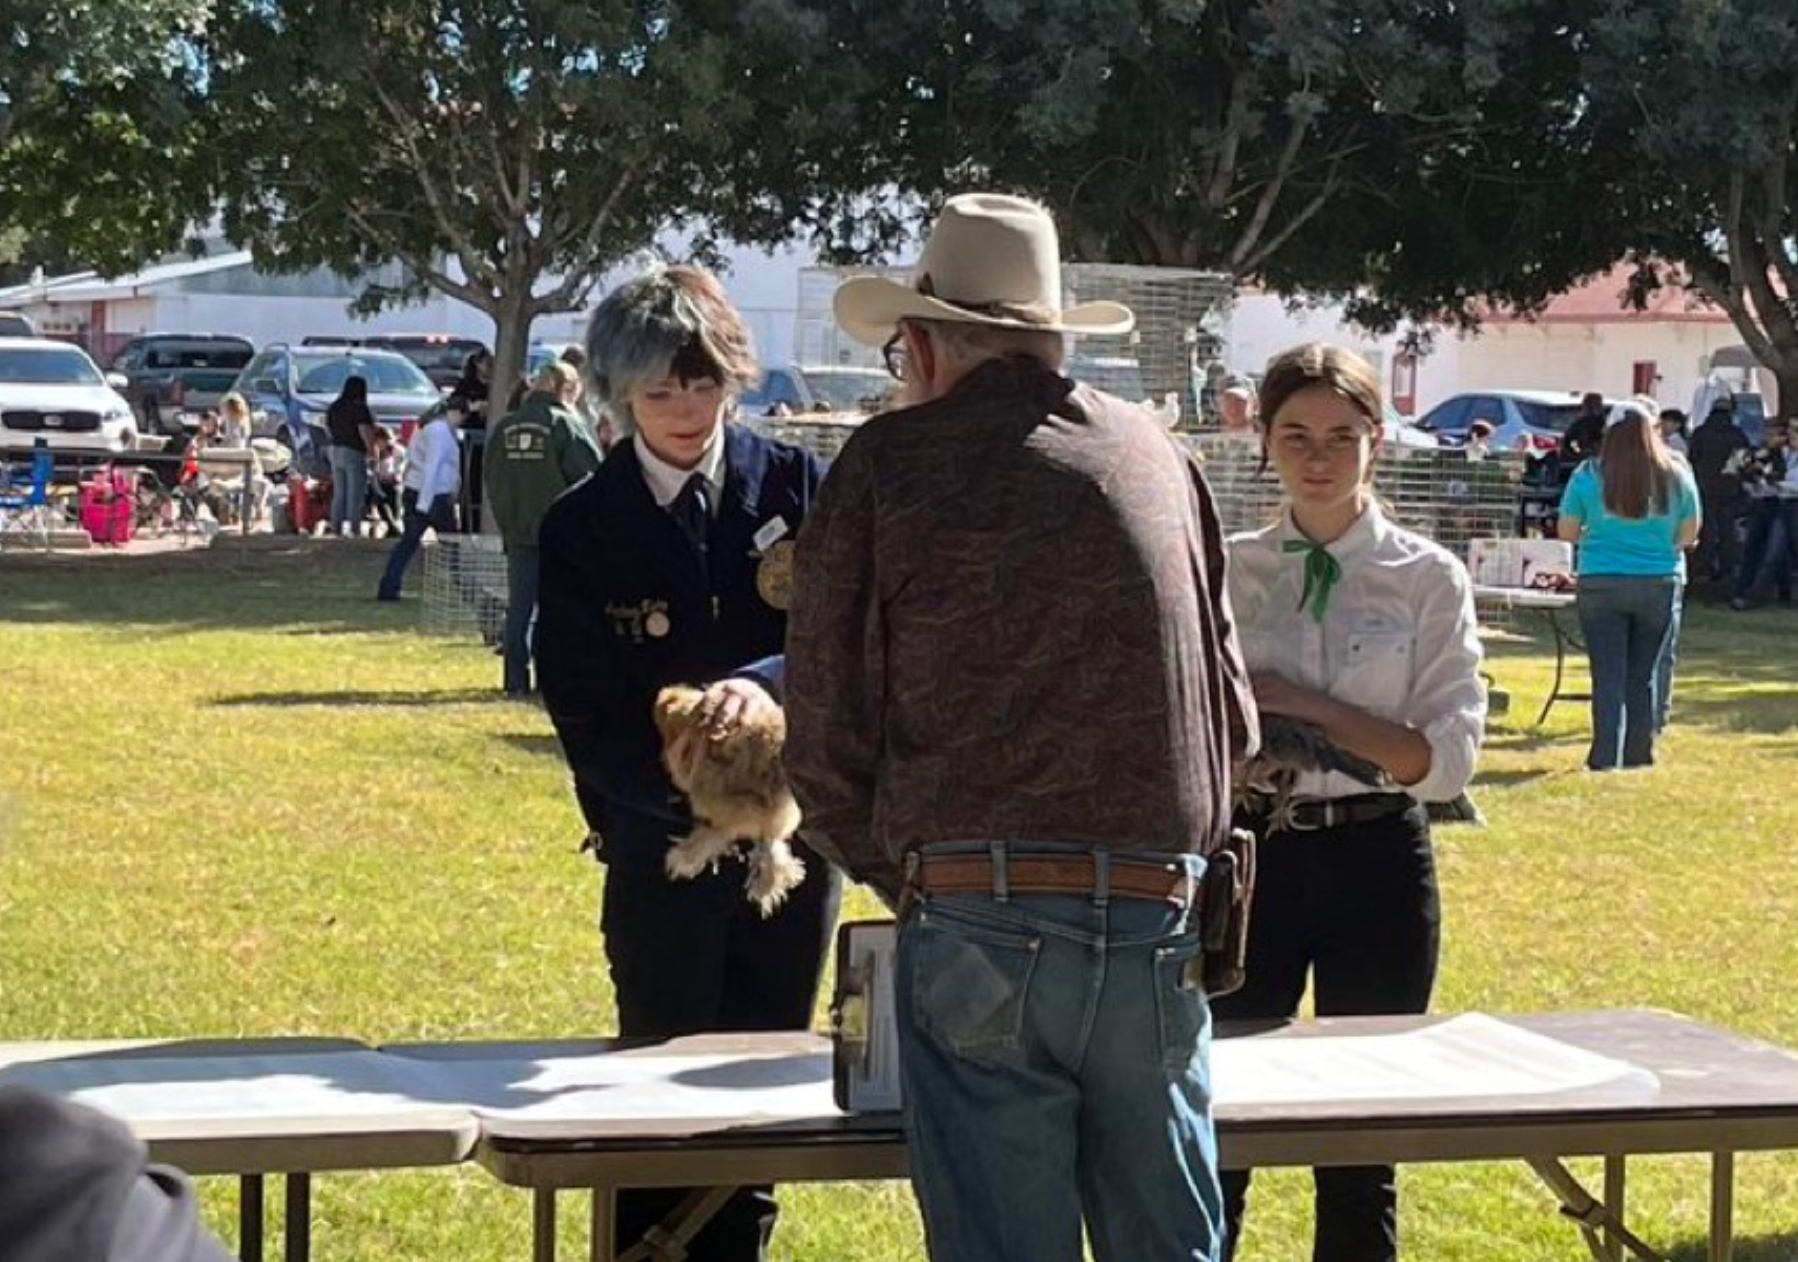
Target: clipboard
(864,1030)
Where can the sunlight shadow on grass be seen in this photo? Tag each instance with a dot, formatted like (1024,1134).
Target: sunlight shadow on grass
(532,743)
(452,696)
(1506,779)
(1780,1248)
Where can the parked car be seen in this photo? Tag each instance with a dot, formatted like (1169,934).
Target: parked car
(52,390)
(439,354)
(1528,420)
(14,324)
(1402,431)
(790,390)
(170,378)
(290,387)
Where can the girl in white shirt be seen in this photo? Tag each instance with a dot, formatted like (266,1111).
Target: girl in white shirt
(1365,632)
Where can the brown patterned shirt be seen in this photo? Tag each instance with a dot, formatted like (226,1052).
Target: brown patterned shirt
(1010,624)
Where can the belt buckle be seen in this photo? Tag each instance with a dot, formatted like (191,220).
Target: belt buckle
(1325,816)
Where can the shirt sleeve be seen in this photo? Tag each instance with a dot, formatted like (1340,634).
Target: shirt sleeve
(589,689)
(443,466)
(1573,499)
(1448,695)
(835,690)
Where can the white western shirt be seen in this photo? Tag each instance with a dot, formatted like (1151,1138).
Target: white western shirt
(1397,640)
(434,462)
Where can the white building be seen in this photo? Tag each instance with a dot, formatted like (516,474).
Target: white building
(224,293)
(1586,339)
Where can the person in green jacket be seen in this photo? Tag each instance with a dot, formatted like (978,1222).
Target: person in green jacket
(533,455)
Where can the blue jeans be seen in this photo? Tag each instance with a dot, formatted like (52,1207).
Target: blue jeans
(412,532)
(1626,622)
(349,489)
(1767,558)
(523,568)
(1663,669)
(1056,1066)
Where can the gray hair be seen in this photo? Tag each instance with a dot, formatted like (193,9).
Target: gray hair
(973,343)
(668,314)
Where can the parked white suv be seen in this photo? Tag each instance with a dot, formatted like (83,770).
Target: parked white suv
(53,391)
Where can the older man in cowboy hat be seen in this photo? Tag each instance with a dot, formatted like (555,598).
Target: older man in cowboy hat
(1013,701)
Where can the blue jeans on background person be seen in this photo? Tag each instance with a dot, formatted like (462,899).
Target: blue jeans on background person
(349,490)
(416,519)
(1663,668)
(1626,621)
(523,568)
(1768,555)
(1056,1067)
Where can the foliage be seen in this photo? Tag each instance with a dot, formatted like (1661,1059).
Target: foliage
(1707,89)
(517,139)
(97,101)
(1426,151)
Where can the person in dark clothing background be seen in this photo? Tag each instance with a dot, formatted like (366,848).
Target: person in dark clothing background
(540,449)
(669,565)
(1712,447)
(471,395)
(352,429)
(76,1186)
(1585,434)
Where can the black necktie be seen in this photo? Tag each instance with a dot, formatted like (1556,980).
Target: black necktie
(692,512)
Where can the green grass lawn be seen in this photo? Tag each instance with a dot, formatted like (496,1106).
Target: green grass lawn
(239,797)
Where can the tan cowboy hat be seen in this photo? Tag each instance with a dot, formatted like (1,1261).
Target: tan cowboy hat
(990,259)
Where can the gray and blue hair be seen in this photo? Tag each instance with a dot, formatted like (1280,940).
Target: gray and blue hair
(669,322)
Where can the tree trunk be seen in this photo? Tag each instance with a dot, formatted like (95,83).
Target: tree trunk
(512,316)
(1780,413)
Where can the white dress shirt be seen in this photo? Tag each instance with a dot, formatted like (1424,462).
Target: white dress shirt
(665,481)
(1397,640)
(434,462)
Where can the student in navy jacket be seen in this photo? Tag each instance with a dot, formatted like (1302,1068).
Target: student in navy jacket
(672,564)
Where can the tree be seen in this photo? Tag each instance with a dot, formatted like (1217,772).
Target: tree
(1413,157)
(97,111)
(1708,91)
(507,152)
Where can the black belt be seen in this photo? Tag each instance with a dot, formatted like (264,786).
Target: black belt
(1305,815)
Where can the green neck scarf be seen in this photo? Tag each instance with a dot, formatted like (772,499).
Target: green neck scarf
(1322,572)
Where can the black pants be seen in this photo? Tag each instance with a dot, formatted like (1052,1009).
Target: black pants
(1356,907)
(693,957)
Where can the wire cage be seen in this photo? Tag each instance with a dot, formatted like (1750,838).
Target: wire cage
(464,586)
(1175,349)
(1439,493)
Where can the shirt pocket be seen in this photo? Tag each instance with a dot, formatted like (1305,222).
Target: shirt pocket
(1377,671)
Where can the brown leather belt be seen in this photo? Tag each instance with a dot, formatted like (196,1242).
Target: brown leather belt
(1037,874)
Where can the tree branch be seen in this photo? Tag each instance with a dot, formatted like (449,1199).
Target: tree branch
(474,263)
(579,278)
(1223,164)
(1711,280)
(1270,196)
(1306,213)
(381,239)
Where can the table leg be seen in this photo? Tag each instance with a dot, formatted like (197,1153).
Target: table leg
(1723,1192)
(297,1241)
(600,1245)
(1615,1174)
(1554,691)
(543,1225)
(249,1218)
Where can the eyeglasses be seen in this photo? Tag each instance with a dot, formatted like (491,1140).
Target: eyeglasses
(895,356)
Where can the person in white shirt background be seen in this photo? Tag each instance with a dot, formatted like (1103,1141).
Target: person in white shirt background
(1365,631)
(428,490)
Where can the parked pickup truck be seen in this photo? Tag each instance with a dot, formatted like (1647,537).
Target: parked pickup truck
(170,378)
(791,390)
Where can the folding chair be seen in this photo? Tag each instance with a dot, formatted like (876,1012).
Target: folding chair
(28,515)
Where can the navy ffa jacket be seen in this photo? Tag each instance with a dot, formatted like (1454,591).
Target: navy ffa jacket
(627,608)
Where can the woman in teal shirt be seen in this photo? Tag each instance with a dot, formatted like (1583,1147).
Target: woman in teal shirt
(1633,512)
